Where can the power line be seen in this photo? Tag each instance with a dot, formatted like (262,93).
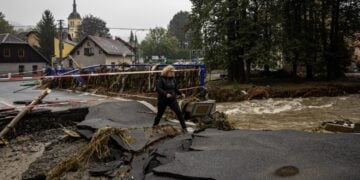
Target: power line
(126,29)
(118,28)
(130,29)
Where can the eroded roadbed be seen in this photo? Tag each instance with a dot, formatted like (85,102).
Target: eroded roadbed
(123,146)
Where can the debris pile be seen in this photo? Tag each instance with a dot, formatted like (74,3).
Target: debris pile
(258,92)
(123,84)
(97,149)
(221,92)
(343,125)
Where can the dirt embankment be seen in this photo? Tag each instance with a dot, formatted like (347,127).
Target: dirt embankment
(17,157)
(222,92)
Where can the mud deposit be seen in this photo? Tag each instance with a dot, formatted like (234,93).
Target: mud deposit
(248,92)
(21,152)
(42,119)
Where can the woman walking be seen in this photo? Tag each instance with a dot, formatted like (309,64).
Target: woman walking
(167,92)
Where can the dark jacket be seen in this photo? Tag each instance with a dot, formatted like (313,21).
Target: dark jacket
(167,85)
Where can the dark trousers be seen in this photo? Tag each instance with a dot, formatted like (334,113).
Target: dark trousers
(172,103)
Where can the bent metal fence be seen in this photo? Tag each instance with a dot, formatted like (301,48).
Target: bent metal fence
(130,79)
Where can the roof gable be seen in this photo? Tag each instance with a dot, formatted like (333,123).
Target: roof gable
(10,39)
(109,46)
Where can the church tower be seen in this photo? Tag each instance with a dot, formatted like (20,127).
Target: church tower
(74,21)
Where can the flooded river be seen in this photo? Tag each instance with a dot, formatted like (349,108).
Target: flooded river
(297,114)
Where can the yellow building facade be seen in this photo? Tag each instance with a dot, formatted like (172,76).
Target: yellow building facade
(67,48)
(32,39)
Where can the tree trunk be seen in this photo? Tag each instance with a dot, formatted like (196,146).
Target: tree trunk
(294,70)
(248,70)
(23,113)
(235,65)
(295,66)
(333,66)
(309,72)
(242,74)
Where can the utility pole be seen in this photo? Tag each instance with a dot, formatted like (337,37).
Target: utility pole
(60,41)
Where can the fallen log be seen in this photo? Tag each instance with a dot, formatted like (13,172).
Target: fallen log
(22,113)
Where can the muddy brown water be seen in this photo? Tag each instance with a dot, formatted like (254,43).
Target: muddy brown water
(305,114)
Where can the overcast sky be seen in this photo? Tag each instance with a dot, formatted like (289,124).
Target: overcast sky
(117,13)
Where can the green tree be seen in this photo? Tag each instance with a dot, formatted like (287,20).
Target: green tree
(344,22)
(158,42)
(237,34)
(5,27)
(136,40)
(223,32)
(46,30)
(316,35)
(94,26)
(131,38)
(205,24)
(177,27)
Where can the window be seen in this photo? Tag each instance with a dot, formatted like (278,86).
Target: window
(7,52)
(72,24)
(78,52)
(112,65)
(21,69)
(88,44)
(88,52)
(35,69)
(21,53)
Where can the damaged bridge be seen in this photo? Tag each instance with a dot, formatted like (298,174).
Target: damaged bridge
(117,142)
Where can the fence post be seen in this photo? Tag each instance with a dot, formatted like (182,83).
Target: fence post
(149,86)
(202,75)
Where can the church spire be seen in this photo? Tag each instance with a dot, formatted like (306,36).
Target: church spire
(74,6)
(74,14)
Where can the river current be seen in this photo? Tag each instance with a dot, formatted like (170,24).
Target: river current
(293,113)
